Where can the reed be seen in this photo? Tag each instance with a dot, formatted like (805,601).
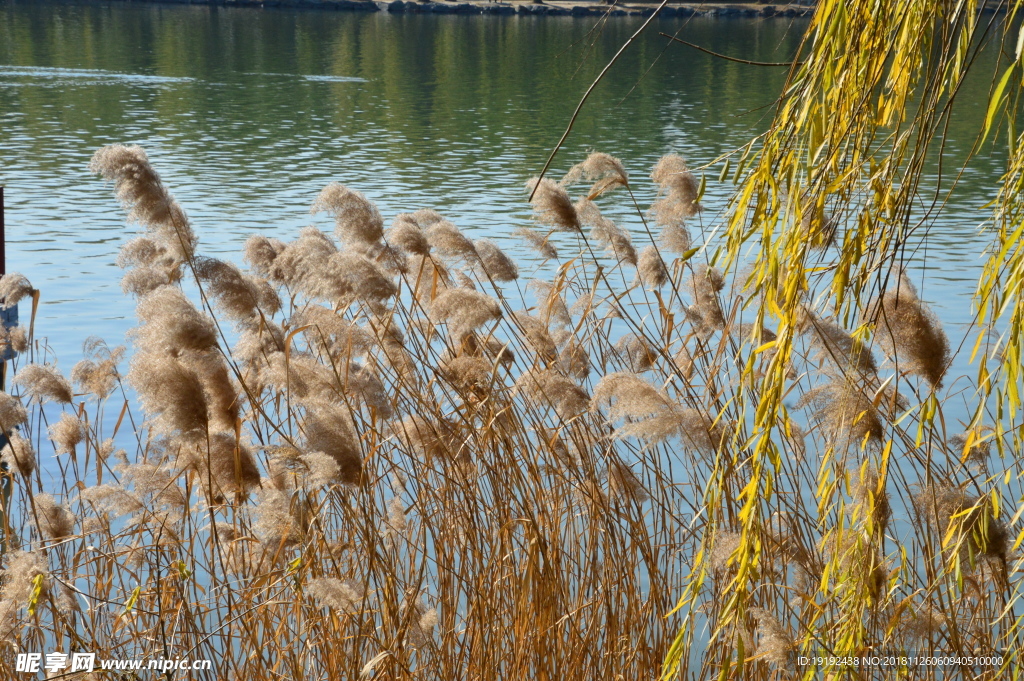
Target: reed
(401,452)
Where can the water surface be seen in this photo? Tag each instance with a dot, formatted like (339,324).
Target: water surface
(248,113)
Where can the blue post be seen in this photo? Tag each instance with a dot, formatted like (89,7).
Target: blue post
(9,318)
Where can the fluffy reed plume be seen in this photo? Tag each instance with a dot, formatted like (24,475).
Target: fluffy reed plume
(678,189)
(684,361)
(910,333)
(330,592)
(774,642)
(19,455)
(616,241)
(331,333)
(623,483)
(97,373)
(606,171)
(423,620)
(425,217)
(407,235)
(537,336)
(463,310)
(395,523)
(540,243)
(19,339)
(836,345)
(552,205)
(347,277)
(574,360)
(676,238)
(449,241)
(638,353)
(143,280)
(223,465)
(628,395)
(156,482)
(14,287)
(319,469)
(653,416)
(952,512)
(141,251)
(66,433)
(565,397)
(172,324)
(171,394)
(42,382)
(27,572)
(430,439)
(298,264)
(550,302)
(329,428)
(364,386)
(493,262)
(53,520)
(357,220)
(724,546)
(977,454)
(139,189)
(261,252)
(844,411)
(651,271)
(473,374)
(110,499)
(704,285)
(279,519)
(240,297)
(12,412)
(922,623)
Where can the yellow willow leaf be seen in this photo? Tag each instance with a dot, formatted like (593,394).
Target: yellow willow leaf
(997,99)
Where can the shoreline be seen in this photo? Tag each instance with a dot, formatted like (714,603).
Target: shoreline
(567,8)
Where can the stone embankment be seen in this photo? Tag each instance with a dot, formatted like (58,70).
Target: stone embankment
(556,8)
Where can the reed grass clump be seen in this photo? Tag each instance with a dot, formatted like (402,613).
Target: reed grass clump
(378,455)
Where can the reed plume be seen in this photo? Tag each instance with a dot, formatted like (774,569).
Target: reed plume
(329,428)
(540,244)
(651,270)
(357,220)
(42,382)
(67,433)
(616,241)
(171,394)
(606,171)
(97,374)
(54,521)
(552,205)
(18,455)
(140,190)
(910,333)
(678,190)
(14,287)
(12,412)
(493,262)
(463,310)
(406,234)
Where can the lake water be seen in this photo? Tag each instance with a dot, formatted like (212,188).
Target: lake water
(248,113)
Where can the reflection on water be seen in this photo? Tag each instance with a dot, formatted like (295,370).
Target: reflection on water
(248,113)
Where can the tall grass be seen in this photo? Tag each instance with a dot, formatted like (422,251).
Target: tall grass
(396,452)
(381,454)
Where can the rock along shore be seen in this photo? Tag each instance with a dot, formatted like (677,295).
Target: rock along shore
(527,8)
